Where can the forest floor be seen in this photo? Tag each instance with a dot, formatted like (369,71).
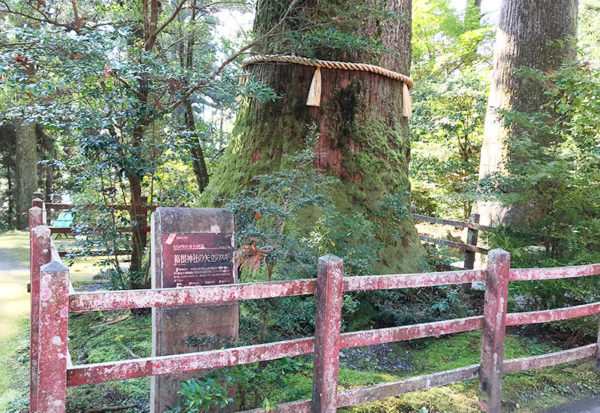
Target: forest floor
(93,339)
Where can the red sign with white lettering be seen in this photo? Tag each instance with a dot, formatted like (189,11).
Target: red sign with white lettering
(197,259)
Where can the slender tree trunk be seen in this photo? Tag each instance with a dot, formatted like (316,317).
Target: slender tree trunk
(198,161)
(364,137)
(187,60)
(25,170)
(151,11)
(535,34)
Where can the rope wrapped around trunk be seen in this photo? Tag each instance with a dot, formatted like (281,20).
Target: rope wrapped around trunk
(314,94)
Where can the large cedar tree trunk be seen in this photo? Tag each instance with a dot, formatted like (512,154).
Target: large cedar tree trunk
(536,34)
(364,137)
(25,170)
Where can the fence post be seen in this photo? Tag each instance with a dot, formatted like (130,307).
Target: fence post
(471,240)
(53,334)
(598,352)
(39,254)
(327,334)
(494,328)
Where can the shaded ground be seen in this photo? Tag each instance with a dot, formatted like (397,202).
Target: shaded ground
(14,312)
(590,405)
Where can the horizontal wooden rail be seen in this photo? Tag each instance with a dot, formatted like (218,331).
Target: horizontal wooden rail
(94,253)
(552,359)
(431,279)
(412,332)
(453,244)
(531,274)
(94,207)
(69,230)
(452,223)
(392,389)
(119,370)
(122,300)
(127,369)
(169,297)
(385,390)
(161,365)
(558,314)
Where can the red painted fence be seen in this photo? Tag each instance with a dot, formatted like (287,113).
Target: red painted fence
(53,299)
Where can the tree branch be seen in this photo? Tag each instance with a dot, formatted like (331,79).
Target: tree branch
(231,58)
(152,37)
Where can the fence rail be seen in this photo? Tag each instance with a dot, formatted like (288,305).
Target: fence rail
(470,247)
(53,299)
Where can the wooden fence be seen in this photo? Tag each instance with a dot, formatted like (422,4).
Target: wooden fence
(53,298)
(470,247)
(44,206)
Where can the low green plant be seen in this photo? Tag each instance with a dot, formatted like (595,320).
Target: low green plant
(251,384)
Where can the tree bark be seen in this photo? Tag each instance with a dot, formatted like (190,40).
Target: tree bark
(364,137)
(25,170)
(535,34)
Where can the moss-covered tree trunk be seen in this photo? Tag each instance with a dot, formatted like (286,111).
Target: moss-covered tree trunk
(536,34)
(364,137)
(25,170)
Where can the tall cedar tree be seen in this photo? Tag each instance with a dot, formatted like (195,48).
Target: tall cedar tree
(535,34)
(364,137)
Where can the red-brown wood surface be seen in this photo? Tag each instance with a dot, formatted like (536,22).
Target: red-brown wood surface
(328,321)
(40,252)
(428,279)
(121,300)
(530,274)
(161,365)
(494,329)
(544,316)
(53,337)
(392,334)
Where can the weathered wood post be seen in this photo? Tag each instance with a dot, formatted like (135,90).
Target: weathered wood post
(37,201)
(598,352)
(494,328)
(53,334)
(327,334)
(471,240)
(39,254)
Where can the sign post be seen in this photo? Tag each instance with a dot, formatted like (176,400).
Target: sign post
(190,247)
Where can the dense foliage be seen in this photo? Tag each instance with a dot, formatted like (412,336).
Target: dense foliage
(451,61)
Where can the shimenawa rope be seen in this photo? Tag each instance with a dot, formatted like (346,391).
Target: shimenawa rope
(314,94)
